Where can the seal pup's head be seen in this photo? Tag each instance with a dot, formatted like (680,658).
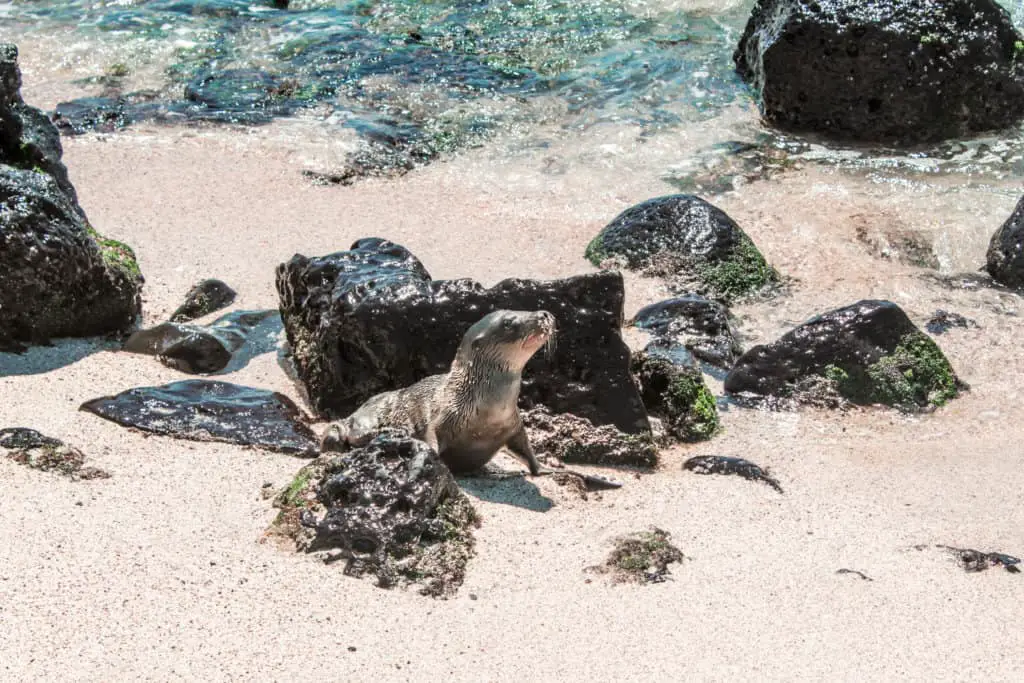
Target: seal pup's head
(506,339)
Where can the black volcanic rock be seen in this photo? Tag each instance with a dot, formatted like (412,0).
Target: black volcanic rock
(391,509)
(204,298)
(197,349)
(870,352)
(1006,250)
(889,71)
(692,243)
(700,325)
(371,319)
(201,410)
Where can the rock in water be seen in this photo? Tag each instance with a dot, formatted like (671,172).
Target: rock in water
(574,439)
(197,349)
(700,325)
(677,393)
(1006,250)
(40,452)
(58,277)
(890,71)
(371,319)
(205,298)
(869,353)
(390,508)
(693,243)
(202,410)
(720,464)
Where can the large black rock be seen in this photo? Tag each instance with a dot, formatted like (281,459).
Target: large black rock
(890,71)
(57,276)
(1006,250)
(870,352)
(692,242)
(371,319)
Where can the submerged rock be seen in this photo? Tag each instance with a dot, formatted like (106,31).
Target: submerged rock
(641,557)
(371,319)
(573,439)
(695,244)
(390,508)
(197,349)
(869,352)
(700,325)
(204,298)
(40,452)
(943,321)
(892,71)
(677,393)
(58,277)
(720,464)
(1005,259)
(201,410)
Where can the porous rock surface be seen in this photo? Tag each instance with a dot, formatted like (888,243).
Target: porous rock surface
(700,325)
(870,352)
(57,276)
(889,71)
(674,390)
(691,242)
(371,319)
(390,508)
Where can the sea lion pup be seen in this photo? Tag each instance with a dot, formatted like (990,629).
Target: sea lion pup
(469,413)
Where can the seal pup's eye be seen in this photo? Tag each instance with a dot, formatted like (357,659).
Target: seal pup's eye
(507,323)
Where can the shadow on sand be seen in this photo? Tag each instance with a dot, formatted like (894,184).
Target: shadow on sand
(506,489)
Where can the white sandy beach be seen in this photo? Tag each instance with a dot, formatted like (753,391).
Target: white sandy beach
(158,572)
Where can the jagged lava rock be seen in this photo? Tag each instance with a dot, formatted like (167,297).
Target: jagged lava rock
(1005,259)
(45,453)
(870,351)
(203,410)
(57,277)
(700,325)
(371,319)
(204,298)
(890,71)
(676,391)
(391,508)
(691,241)
(574,439)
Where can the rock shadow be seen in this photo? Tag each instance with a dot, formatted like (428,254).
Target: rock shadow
(39,359)
(506,490)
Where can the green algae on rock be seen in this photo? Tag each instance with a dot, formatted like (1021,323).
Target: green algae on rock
(390,509)
(47,454)
(641,557)
(867,353)
(692,243)
(678,394)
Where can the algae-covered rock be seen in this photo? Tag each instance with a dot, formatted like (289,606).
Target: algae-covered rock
(1005,258)
(869,353)
(641,557)
(892,71)
(45,453)
(696,245)
(390,509)
(573,439)
(677,393)
(58,278)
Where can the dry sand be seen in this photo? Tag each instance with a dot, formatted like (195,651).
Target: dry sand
(158,573)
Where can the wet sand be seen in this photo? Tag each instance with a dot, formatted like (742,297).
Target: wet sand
(158,573)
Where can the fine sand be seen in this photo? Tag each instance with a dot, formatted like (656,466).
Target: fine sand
(158,572)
